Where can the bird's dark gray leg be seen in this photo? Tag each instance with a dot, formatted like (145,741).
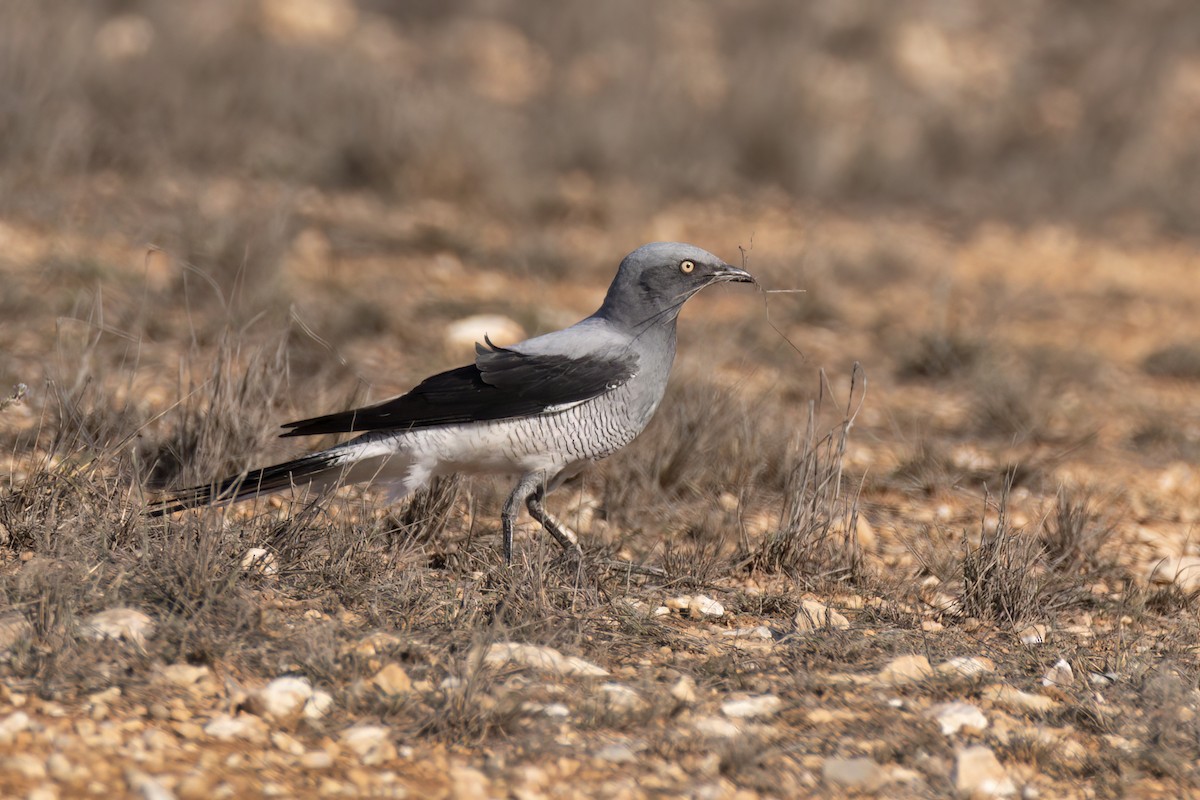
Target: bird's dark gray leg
(512,506)
(561,533)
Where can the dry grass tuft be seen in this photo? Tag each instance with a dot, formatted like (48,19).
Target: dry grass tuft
(941,354)
(817,534)
(1077,536)
(1175,361)
(224,420)
(1005,577)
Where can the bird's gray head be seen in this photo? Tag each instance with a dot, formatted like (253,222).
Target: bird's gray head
(655,281)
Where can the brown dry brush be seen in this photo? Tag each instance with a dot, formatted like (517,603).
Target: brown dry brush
(1078,534)
(817,533)
(1007,578)
(219,422)
(999,575)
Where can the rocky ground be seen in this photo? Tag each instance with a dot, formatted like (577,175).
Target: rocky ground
(998,599)
(924,529)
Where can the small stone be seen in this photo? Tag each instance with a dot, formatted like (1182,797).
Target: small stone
(684,690)
(978,773)
(59,767)
(185,675)
(1016,700)
(764,705)
(1034,634)
(126,624)
(309,22)
(188,730)
(465,334)
(282,697)
(462,335)
(894,773)
(468,783)
(392,680)
(260,560)
(905,669)
(372,645)
(545,659)
(25,765)
(704,606)
(147,787)
(227,728)
(107,696)
(716,727)
(619,697)
(756,632)
(318,705)
(661,611)
(967,666)
(316,759)
(157,739)
(196,785)
(371,743)
(287,744)
(953,717)
(814,616)
(1060,674)
(679,603)
(13,628)
(13,724)
(331,788)
(856,774)
(1184,571)
(616,753)
(556,710)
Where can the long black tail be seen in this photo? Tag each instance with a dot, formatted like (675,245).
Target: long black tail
(298,472)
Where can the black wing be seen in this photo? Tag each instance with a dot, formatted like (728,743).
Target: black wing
(501,384)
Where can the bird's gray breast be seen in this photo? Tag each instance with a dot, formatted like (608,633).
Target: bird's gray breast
(614,419)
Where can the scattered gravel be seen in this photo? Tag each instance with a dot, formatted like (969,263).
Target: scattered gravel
(282,697)
(979,774)
(967,666)
(696,606)
(1016,700)
(261,561)
(1034,635)
(544,659)
(1183,571)
(124,624)
(855,774)
(392,680)
(371,743)
(13,628)
(953,717)
(815,616)
(244,726)
(1060,674)
(766,705)
(905,669)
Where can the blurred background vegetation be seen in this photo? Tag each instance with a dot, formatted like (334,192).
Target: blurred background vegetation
(1050,110)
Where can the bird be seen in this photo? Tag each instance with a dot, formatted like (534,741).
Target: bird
(542,409)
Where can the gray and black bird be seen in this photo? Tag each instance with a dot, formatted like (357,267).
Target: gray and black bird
(542,409)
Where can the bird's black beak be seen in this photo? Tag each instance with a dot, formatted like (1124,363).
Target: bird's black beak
(727,273)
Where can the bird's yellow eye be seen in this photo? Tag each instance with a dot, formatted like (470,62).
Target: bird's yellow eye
(686,267)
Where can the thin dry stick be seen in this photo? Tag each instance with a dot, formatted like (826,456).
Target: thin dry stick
(745,251)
